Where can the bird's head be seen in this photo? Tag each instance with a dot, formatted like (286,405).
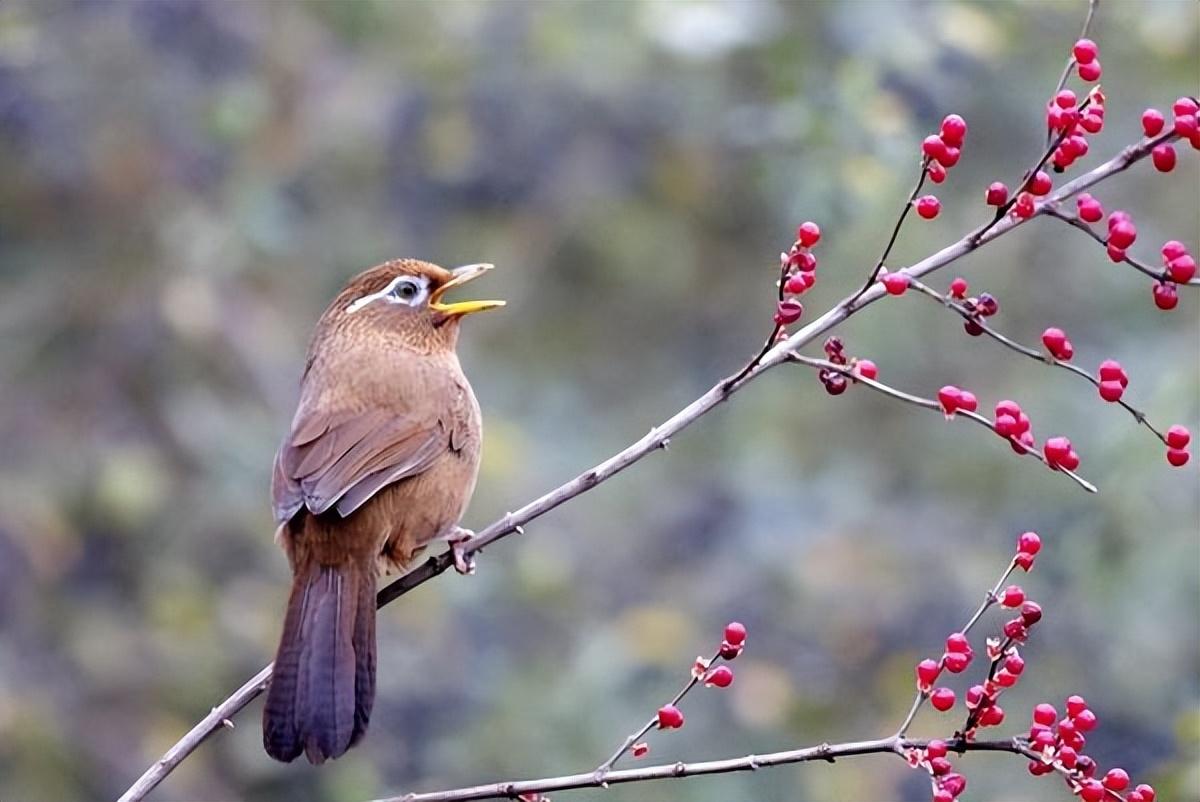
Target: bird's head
(406,296)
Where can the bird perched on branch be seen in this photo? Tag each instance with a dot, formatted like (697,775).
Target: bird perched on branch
(380,460)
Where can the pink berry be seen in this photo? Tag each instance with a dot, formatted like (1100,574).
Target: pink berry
(895,283)
(936,748)
(1015,629)
(958,288)
(1163,157)
(1013,596)
(997,194)
(1111,391)
(1178,436)
(1085,720)
(867,369)
(942,699)
(956,662)
(1146,791)
(1031,613)
(1115,254)
(788,311)
(1024,560)
(967,401)
(1025,206)
(950,156)
(1014,664)
(1182,269)
(927,673)
(1166,297)
(1085,51)
(954,129)
(1040,184)
(719,677)
(735,633)
(1090,209)
(1173,249)
(1067,756)
(1065,99)
(992,716)
(1071,461)
(933,146)
(942,795)
(1005,426)
(1152,122)
(1029,542)
(939,766)
(1037,768)
(1089,72)
(1045,714)
(1057,344)
(1185,105)
(955,784)
(928,207)
(1075,705)
(1122,234)
(1116,780)
(1056,449)
(936,172)
(669,717)
(1177,457)
(808,233)
(1091,791)
(1092,123)
(958,643)
(1186,125)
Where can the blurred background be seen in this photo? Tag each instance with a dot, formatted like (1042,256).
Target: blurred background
(186,185)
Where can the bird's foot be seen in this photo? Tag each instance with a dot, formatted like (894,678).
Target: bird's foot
(464,563)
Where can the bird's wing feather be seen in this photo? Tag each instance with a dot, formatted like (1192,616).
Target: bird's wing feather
(328,456)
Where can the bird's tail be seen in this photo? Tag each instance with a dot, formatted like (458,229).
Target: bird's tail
(323,684)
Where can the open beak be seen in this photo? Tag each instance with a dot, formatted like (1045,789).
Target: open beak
(461,275)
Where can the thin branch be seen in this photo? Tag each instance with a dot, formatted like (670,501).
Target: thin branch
(929,403)
(656,439)
(1075,222)
(891,243)
(533,789)
(1032,353)
(1066,73)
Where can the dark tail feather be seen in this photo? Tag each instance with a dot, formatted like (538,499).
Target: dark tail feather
(323,685)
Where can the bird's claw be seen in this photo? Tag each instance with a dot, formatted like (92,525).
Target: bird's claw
(464,563)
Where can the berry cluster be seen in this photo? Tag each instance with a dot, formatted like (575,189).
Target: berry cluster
(1059,745)
(798,273)
(1072,120)
(1184,125)
(942,151)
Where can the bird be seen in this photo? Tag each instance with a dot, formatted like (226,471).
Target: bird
(380,460)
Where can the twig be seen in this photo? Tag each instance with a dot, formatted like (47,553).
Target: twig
(1039,356)
(655,440)
(929,403)
(891,243)
(1066,73)
(533,789)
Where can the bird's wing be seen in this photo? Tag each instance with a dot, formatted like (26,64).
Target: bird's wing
(346,458)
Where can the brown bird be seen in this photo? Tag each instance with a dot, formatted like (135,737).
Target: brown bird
(381,459)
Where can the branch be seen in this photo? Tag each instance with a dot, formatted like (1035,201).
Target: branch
(658,438)
(534,789)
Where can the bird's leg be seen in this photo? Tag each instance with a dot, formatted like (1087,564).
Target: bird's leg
(463,563)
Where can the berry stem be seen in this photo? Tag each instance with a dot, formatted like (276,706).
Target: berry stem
(891,243)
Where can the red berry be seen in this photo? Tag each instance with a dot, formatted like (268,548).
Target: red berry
(1116,780)
(1177,457)
(809,233)
(936,172)
(1122,234)
(1085,51)
(955,784)
(1015,629)
(1163,157)
(1075,705)
(867,369)
(1111,370)
(1178,436)
(950,157)
(1092,123)
(948,397)
(940,765)
(1091,791)
(719,677)
(788,311)
(974,697)
(1147,792)
(928,207)
(954,129)
(1067,756)
(1181,269)
(1031,613)
(1056,449)
(942,699)
(934,146)
(992,716)
(1185,125)
(1013,596)
(1114,253)
(1005,678)
(895,283)
(1065,99)
(1057,344)
(1037,768)
(1029,542)
(735,633)
(1024,207)
(1152,122)
(1090,71)
(1185,105)
(1024,559)
(669,717)
(958,288)
(1045,714)
(942,795)
(967,401)
(1166,297)
(997,194)
(803,260)
(1090,209)
(1071,461)
(1014,664)
(1085,720)
(1040,184)
(935,748)
(957,643)
(927,672)
(1173,249)
(1111,391)
(956,662)
(1005,425)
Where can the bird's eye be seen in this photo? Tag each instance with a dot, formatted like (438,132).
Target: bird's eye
(406,291)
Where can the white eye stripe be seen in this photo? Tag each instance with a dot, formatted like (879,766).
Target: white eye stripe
(390,294)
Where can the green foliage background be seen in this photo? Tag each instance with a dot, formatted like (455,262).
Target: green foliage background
(186,184)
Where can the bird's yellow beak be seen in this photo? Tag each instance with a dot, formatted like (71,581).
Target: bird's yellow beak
(459,276)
